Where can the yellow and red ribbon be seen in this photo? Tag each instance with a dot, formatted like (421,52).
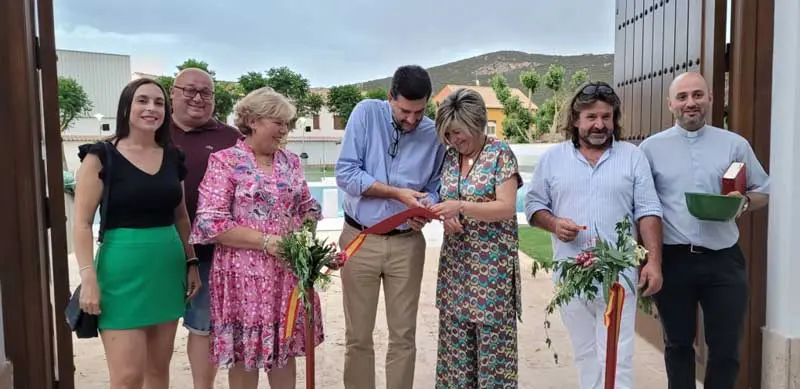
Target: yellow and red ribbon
(612,319)
(383,227)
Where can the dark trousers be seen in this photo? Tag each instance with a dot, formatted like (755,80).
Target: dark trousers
(717,280)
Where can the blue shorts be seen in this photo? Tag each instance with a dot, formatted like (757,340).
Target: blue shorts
(197,317)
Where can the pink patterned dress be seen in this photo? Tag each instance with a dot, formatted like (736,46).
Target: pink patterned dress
(249,288)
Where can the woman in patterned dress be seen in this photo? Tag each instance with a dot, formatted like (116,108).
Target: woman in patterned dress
(251,195)
(478,288)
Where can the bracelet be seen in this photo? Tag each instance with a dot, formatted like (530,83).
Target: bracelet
(84,268)
(192,261)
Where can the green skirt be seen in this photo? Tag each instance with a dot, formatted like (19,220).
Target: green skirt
(141,273)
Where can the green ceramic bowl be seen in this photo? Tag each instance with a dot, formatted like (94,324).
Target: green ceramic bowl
(713,207)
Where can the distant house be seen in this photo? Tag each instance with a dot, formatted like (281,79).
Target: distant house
(493,105)
(317,137)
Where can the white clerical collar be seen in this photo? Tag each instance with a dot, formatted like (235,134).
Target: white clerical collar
(690,134)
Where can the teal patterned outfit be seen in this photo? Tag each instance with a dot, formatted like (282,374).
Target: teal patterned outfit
(478,287)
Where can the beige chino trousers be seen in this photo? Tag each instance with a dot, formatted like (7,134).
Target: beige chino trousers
(398,261)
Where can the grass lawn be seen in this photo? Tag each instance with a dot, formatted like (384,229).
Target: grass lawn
(535,243)
(316,173)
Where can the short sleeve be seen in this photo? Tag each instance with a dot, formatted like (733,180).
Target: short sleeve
(98,149)
(507,166)
(180,161)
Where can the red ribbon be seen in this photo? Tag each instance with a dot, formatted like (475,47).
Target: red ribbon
(383,227)
(612,319)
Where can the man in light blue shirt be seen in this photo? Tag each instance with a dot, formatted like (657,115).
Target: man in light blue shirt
(390,161)
(593,180)
(702,260)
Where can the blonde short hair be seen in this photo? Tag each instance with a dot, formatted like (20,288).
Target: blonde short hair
(260,104)
(464,109)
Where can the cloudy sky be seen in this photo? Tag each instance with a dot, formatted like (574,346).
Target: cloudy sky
(329,42)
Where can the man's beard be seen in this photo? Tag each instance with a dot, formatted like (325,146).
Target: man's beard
(593,143)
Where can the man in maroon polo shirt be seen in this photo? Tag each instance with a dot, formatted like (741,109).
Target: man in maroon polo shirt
(198,134)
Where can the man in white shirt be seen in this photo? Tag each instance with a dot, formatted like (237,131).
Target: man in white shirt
(594,180)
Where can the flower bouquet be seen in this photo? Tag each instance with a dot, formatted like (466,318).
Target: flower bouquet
(600,264)
(310,259)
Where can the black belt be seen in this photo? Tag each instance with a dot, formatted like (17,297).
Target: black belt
(690,248)
(353,223)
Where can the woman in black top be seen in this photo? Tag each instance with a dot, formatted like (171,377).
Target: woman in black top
(137,283)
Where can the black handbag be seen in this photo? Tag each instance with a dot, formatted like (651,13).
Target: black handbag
(83,324)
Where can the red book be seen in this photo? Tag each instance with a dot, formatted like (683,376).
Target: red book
(735,179)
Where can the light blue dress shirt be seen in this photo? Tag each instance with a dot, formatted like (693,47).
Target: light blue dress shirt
(598,197)
(685,161)
(364,158)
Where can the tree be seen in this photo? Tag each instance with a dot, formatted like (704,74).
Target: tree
(518,118)
(251,81)
(378,94)
(73,102)
(554,80)
(430,109)
(531,80)
(342,99)
(313,103)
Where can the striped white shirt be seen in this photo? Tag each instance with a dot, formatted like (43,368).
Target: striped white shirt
(598,197)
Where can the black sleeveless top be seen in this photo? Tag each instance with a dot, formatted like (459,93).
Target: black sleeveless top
(138,199)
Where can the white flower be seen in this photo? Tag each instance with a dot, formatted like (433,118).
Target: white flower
(640,253)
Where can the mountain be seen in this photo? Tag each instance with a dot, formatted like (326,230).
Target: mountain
(511,64)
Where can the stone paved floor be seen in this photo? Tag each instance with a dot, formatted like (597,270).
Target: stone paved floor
(536,366)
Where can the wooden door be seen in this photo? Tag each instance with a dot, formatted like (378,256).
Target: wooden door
(665,38)
(31,200)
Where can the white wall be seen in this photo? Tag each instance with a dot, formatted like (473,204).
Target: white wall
(325,131)
(102,76)
(320,152)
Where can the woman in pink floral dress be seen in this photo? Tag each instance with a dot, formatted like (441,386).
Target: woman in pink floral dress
(253,194)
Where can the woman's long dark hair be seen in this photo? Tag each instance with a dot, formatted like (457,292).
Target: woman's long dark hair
(588,94)
(163,137)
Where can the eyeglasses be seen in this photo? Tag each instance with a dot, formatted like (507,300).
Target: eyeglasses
(190,93)
(395,140)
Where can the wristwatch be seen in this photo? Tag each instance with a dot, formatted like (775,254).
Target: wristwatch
(194,261)
(746,203)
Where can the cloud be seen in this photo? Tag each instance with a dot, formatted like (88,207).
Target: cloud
(330,42)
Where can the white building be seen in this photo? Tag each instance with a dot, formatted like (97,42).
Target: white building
(318,136)
(102,76)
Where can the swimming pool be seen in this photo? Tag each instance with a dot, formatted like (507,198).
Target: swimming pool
(319,189)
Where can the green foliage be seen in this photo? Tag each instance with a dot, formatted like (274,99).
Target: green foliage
(313,103)
(377,94)
(73,102)
(511,64)
(551,108)
(518,120)
(554,78)
(430,109)
(308,257)
(166,82)
(251,81)
(288,83)
(225,96)
(545,116)
(530,80)
(578,78)
(343,99)
(196,63)
(598,265)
